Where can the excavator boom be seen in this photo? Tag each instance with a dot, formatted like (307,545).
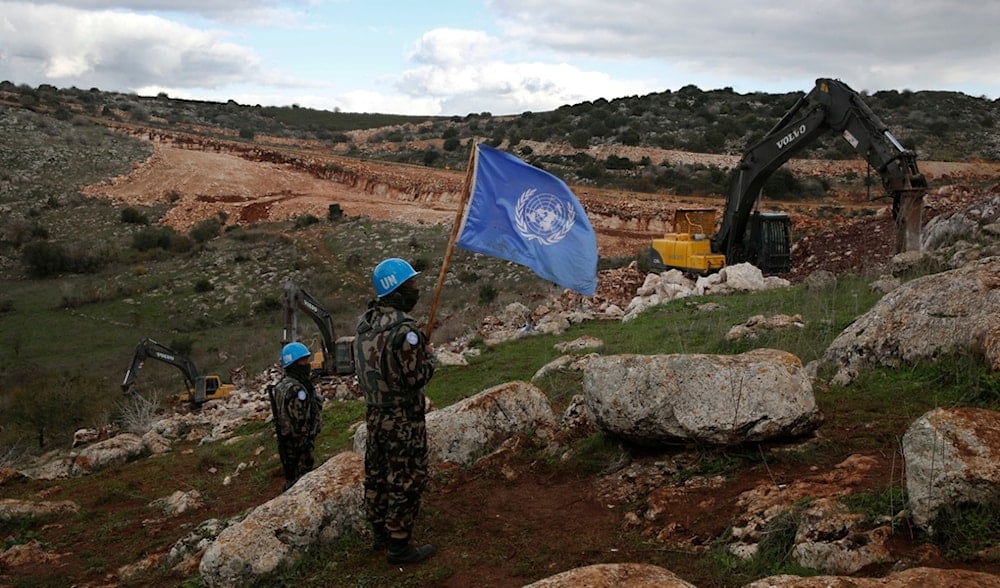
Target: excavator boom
(337,355)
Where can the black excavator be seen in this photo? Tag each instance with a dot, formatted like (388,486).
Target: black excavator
(764,238)
(200,388)
(336,355)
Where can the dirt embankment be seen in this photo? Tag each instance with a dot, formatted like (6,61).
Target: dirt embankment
(243,184)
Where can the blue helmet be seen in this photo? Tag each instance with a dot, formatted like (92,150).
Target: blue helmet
(293,352)
(390,274)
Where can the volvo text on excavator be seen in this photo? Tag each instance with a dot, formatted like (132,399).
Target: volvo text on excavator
(199,388)
(336,356)
(764,238)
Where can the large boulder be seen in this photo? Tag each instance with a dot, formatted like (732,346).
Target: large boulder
(956,311)
(479,424)
(719,399)
(905,579)
(952,457)
(117,450)
(324,504)
(633,575)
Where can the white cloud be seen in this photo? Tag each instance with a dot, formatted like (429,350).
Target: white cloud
(452,47)
(460,69)
(261,11)
(921,44)
(114,50)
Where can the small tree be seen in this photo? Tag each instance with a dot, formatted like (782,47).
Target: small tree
(134,217)
(206,230)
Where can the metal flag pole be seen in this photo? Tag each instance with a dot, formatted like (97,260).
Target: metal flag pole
(466,193)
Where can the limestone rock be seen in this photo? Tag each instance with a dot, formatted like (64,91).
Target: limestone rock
(481,423)
(633,575)
(321,506)
(952,456)
(719,399)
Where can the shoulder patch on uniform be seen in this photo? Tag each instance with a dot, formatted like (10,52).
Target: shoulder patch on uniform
(412,338)
(302,394)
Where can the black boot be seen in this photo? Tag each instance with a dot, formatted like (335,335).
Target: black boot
(402,552)
(381,540)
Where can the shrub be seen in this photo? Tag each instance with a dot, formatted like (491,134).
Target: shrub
(431,156)
(43,259)
(152,238)
(334,212)
(133,217)
(487,293)
(203,285)
(305,220)
(181,345)
(267,304)
(206,230)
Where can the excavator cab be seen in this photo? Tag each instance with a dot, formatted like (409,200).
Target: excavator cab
(771,233)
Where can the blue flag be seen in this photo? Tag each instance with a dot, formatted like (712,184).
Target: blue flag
(526,215)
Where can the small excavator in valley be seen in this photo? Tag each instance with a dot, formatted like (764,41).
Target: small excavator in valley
(764,238)
(336,355)
(200,388)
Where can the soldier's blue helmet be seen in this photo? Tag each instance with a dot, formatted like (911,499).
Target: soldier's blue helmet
(293,352)
(390,274)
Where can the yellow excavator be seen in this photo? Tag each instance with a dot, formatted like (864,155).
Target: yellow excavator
(200,388)
(764,238)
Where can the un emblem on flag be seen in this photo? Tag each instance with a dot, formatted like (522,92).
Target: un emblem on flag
(543,217)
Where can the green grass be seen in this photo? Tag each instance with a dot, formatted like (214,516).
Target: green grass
(887,502)
(964,530)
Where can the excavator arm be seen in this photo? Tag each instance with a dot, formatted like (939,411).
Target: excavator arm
(146,349)
(830,106)
(297,299)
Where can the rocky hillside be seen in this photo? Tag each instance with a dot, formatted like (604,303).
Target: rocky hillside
(116,229)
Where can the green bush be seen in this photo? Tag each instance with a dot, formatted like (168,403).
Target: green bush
(487,293)
(206,230)
(181,345)
(133,217)
(44,259)
(305,220)
(267,304)
(334,212)
(153,238)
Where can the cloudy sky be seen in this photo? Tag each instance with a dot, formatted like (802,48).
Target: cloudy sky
(454,57)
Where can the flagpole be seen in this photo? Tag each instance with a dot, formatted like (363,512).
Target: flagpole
(466,193)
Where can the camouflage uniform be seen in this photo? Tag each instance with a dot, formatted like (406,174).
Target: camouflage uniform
(392,368)
(298,421)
